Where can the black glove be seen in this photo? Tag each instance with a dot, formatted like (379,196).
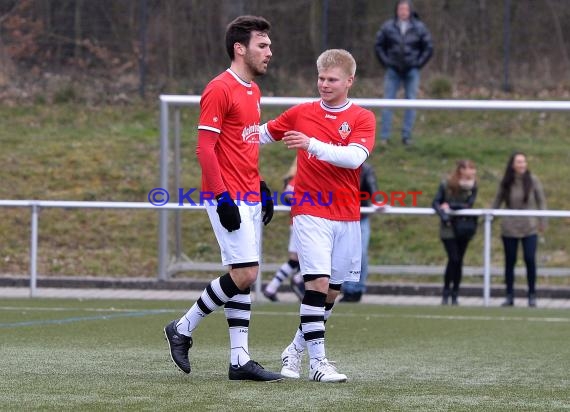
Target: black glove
(228,212)
(266,203)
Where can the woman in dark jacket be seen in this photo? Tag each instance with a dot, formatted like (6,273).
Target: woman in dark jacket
(457,192)
(520,189)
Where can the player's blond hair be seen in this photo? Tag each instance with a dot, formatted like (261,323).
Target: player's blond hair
(337,58)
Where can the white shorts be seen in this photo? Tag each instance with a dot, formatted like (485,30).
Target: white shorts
(292,248)
(242,245)
(328,247)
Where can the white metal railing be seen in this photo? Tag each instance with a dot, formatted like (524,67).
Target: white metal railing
(488,214)
(435,104)
(174,103)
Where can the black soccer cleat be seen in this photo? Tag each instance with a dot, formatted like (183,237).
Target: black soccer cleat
(179,346)
(252,371)
(271,296)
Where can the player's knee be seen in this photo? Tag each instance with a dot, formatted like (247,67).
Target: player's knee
(245,274)
(320,283)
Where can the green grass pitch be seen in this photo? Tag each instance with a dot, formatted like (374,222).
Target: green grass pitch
(111,355)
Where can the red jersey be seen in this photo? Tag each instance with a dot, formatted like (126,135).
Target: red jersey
(230,107)
(321,188)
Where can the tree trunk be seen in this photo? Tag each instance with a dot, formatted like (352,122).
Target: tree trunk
(77,29)
(559,37)
(171,50)
(7,67)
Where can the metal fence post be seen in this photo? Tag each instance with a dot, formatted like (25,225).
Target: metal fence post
(163,214)
(487,258)
(34,251)
(177,185)
(259,277)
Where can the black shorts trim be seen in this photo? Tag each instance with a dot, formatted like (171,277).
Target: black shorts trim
(308,278)
(335,286)
(244,265)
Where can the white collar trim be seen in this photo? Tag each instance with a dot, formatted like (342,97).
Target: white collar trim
(239,79)
(336,109)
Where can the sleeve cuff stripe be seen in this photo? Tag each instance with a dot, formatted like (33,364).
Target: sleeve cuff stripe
(211,129)
(361,147)
(266,130)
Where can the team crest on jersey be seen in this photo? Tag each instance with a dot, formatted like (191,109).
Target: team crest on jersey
(344,130)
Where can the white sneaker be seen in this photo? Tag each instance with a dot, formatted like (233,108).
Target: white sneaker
(324,371)
(291,360)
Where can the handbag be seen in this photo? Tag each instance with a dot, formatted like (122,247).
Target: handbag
(464,227)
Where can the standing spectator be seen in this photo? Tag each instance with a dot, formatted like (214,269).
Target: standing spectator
(352,291)
(457,192)
(403,46)
(520,189)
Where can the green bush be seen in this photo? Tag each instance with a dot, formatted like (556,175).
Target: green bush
(67,94)
(440,87)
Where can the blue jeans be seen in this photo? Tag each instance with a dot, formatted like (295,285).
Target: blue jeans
(360,286)
(411,83)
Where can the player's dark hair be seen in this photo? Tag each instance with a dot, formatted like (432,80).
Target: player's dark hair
(509,179)
(239,31)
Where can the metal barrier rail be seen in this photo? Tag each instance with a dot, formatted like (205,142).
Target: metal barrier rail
(175,102)
(435,104)
(488,214)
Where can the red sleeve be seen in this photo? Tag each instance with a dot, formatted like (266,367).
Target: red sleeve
(364,133)
(283,123)
(206,153)
(214,105)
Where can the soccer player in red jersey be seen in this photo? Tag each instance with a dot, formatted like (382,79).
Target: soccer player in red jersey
(333,137)
(228,151)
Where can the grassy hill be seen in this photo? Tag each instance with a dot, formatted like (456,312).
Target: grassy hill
(74,152)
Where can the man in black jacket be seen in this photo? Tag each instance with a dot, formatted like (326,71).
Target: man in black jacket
(403,46)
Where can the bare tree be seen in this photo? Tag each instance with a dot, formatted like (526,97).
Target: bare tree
(559,36)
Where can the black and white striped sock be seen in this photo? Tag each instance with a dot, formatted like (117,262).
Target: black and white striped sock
(238,313)
(313,324)
(299,340)
(328,310)
(216,294)
(286,270)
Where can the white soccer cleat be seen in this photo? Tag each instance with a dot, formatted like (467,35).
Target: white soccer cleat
(291,360)
(324,371)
